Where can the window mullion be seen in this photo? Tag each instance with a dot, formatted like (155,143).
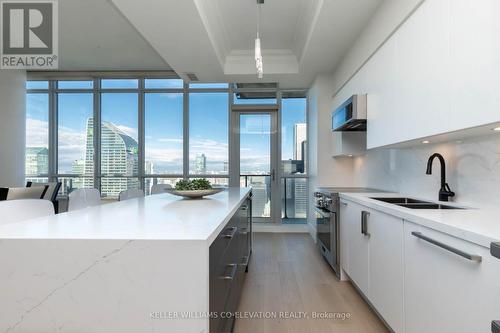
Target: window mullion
(185,150)
(97,134)
(53,148)
(141,134)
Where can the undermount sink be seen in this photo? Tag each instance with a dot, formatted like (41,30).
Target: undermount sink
(414,203)
(402,200)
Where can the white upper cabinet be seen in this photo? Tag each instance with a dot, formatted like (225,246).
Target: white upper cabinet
(440,72)
(423,72)
(475,58)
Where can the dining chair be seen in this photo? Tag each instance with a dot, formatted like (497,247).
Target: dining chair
(130,194)
(160,188)
(24,209)
(83,198)
(51,193)
(16,193)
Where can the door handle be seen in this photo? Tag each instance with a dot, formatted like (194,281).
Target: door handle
(364,223)
(273,174)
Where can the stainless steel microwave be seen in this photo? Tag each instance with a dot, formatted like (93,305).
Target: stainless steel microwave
(351,115)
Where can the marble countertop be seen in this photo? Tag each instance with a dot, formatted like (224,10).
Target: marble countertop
(155,217)
(479,226)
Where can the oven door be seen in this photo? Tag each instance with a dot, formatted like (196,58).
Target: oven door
(324,233)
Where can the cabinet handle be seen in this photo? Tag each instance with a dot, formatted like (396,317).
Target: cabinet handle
(245,260)
(244,231)
(344,204)
(233,232)
(244,207)
(495,326)
(471,257)
(495,250)
(364,223)
(232,274)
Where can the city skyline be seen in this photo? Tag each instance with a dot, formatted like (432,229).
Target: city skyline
(164,151)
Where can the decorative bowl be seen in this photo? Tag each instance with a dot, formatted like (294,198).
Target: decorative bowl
(194,194)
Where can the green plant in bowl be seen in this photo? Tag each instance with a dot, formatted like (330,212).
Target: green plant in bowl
(193,185)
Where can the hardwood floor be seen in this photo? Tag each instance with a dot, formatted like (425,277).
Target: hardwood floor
(287,274)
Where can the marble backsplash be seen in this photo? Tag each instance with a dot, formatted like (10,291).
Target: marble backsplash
(472,167)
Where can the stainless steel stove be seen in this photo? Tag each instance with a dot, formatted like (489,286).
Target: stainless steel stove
(327,206)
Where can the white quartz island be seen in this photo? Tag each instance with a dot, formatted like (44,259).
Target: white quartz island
(140,265)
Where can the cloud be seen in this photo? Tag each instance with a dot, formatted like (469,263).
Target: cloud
(37,133)
(71,143)
(169,140)
(132,132)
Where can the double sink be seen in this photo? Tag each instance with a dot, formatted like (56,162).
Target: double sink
(414,203)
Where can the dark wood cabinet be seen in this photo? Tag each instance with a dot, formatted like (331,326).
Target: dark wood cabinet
(229,256)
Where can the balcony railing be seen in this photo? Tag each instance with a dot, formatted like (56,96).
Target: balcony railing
(294,198)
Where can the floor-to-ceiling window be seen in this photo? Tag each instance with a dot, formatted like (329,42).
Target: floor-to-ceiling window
(294,198)
(117,133)
(37,131)
(209,134)
(120,133)
(75,147)
(275,167)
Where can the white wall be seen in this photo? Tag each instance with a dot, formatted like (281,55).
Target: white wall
(12,127)
(323,169)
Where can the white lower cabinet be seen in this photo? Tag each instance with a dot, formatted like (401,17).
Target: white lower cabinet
(374,258)
(357,266)
(386,267)
(445,292)
(419,279)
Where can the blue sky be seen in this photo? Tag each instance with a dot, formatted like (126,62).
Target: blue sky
(163,127)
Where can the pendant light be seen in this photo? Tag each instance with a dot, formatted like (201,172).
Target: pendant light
(258,52)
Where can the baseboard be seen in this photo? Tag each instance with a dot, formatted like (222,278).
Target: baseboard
(299,228)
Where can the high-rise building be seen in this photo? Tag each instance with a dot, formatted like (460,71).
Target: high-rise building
(299,187)
(37,161)
(148,170)
(201,164)
(77,168)
(119,156)
(299,137)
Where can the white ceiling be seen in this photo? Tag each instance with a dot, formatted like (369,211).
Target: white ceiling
(94,35)
(279,20)
(212,38)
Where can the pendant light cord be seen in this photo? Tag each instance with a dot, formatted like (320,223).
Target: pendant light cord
(258,18)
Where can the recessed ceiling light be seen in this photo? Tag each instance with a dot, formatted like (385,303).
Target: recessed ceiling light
(497,129)
(350,155)
(426,141)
